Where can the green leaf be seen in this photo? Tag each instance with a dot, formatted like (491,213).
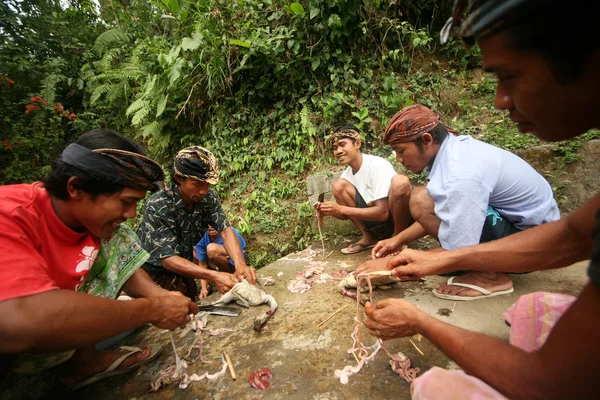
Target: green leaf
(315,62)
(297,8)
(416,41)
(241,43)
(192,43)
(176,71)
(160,108)
(314,12)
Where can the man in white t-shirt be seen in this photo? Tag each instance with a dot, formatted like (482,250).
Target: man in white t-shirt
(369,193)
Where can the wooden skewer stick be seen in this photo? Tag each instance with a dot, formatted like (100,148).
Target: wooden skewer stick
(230,365)
(333,314)
(356,358)
(418,349)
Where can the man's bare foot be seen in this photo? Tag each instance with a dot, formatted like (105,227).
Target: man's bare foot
(89,362)
(491,281)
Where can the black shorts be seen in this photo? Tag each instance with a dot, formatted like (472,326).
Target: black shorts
(378,230)
(496,226)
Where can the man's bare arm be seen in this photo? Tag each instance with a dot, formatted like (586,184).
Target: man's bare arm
(563,368)
(181,266)
(232,246)
(553,245)
(379,211)
(141,285)
(395,243)
(59,320)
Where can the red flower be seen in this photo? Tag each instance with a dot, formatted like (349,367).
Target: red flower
(72,117)
(32,107)
(65,114)
(44,102)
(35,98)
(8,144)
(10,81)
(27,111)
(58,108)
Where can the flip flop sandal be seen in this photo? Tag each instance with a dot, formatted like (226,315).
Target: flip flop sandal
(361,247)
(112,371)
(484,292)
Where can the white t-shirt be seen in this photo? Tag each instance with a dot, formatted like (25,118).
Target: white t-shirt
(373,179)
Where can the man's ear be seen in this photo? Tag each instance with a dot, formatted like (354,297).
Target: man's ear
(358,143)
(74,193)
(427,138)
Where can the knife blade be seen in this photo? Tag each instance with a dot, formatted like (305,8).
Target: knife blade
(220,310)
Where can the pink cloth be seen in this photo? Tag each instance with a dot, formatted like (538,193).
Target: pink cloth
(533,316)
(438,383)
(531,319)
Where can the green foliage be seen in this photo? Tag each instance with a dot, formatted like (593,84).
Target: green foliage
(259,82)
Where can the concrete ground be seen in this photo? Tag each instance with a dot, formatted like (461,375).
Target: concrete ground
(301,355)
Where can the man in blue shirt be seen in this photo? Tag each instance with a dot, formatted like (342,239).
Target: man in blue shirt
(476,193)
(211,253)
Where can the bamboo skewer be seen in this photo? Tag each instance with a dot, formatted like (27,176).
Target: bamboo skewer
(415,346)
(230,365)
(333,314)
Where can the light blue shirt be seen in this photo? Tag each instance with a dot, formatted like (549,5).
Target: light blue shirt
(468,175)
(205,241)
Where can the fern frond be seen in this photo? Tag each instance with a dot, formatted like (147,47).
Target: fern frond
(141,114)
(100,90)
(306,117)
(136,106)
(111,38)
(153,129)
(49,87)
(116,92)
(107,61)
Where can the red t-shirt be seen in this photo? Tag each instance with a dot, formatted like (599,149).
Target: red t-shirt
(38,252)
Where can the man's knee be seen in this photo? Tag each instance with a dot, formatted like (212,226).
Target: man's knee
(420,203)
(214,250)
(400,187)
(342,189)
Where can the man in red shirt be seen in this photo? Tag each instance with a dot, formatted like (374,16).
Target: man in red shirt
(64,256)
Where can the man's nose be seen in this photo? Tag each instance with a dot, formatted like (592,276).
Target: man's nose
(130,211)
(502,100)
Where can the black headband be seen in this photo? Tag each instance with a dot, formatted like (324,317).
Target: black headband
(120,167)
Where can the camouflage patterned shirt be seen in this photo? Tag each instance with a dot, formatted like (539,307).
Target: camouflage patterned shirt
(169,229)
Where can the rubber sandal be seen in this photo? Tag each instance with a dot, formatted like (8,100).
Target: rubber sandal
(361,247)
(112,371)
(484,292)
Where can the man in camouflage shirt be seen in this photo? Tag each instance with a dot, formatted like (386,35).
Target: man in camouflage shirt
(176,219)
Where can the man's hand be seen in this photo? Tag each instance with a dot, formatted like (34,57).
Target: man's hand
(247,273)
(330,208)
(203,294)
(224,281)
(391,318)
(414,264)
(385,247)
(373,266)
(172,310)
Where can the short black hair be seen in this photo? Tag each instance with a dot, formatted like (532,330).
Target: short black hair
(564,35)
(60,173)
(344,127)
(439,134)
